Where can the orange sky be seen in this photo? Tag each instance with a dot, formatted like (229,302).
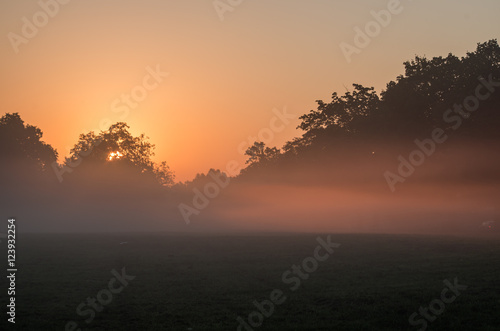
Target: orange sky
(225,77)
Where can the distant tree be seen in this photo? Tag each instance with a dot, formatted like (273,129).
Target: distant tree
(117,139)
(346,112)
(202,179)
(416,101)
(22,142)
(353,127)
(259,153)
(411,106)
(163,174)
(118,145)
(353,114)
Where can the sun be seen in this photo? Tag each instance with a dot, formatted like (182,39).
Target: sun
(114,156)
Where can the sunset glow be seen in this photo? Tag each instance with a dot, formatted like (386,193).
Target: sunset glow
(114,156)
(250,165)
(224,77)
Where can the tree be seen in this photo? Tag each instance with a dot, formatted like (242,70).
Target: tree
(259,153)
(163,174)
(360,126)
(22,143)
(416,101)
(25,168)
(353,114)
(119,147)
(346,112)
(411,106)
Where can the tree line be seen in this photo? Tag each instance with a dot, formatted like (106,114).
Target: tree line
(351,128)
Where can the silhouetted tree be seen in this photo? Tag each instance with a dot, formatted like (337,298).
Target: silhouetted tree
(163,174)
(352,127)
(259,153)
(201,179)
(28,186)
(21,144)
(118,146)
(416,101)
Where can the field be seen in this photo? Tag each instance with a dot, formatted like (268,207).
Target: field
(205,282)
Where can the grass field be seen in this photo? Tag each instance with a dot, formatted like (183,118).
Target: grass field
(190,282)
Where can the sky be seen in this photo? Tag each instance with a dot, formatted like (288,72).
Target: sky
(203,82)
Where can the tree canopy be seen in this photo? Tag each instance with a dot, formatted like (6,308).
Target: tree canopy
(118,146)
(23,143)
(411,106)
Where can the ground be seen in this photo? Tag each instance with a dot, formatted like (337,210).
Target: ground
(200,282)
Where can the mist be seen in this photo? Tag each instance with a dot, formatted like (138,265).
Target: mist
(453,192)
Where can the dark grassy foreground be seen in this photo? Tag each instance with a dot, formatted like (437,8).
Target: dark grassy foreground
(371,282)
